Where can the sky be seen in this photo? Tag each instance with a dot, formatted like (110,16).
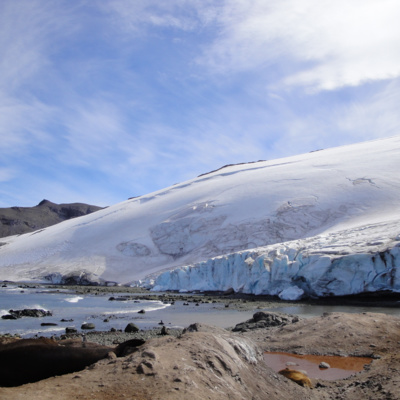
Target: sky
(102,100)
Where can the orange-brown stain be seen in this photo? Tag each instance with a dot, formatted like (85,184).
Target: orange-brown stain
(340,367)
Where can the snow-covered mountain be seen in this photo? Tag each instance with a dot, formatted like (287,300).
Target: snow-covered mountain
(319,217)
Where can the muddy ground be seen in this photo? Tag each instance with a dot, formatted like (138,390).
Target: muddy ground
(213,363)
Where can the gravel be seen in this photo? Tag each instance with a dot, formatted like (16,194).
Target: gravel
(114,338)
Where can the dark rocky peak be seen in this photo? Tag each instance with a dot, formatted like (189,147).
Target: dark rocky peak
(18,220)
(45,202)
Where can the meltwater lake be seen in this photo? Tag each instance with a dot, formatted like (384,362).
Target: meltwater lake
(96,309)
(77,309)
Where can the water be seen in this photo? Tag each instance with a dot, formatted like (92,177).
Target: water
(95,309)
(340,367)
(67,305)
(90,308)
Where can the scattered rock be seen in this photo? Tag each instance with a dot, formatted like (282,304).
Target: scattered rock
(131,327)
(88,325)
(324,365)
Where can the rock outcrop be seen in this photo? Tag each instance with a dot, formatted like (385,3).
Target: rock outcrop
(28,312)
(18,220)
(265,320)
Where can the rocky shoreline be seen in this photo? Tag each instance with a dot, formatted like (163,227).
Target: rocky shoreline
(205,362)
(238,301)
(221,300)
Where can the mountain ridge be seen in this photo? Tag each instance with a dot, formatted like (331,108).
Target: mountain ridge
(19,220)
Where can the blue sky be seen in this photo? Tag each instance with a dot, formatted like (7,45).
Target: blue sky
(101,100)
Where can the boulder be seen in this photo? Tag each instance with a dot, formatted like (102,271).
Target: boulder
(263,319)
(131,327)
(88,325)
(297,376)
(9,316)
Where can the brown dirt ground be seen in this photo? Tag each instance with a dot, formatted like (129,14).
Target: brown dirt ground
(212,363)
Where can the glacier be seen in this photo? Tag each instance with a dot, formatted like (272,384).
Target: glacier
(317,224)
(342,263)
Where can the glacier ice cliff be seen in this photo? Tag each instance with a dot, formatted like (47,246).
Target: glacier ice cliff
(341,263)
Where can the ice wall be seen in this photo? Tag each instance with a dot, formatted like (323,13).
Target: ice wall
(343,263)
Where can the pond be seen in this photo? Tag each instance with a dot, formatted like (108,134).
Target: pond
(339,367)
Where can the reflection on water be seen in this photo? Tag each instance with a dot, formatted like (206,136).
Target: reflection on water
(340,367)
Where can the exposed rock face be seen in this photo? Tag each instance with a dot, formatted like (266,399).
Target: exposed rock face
(82,277)
(18,220)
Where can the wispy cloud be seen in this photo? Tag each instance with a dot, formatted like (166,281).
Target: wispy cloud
(320,44)
(115,98)
(374,115)
(139,16)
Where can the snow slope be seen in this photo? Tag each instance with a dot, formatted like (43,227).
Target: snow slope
(236,208)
